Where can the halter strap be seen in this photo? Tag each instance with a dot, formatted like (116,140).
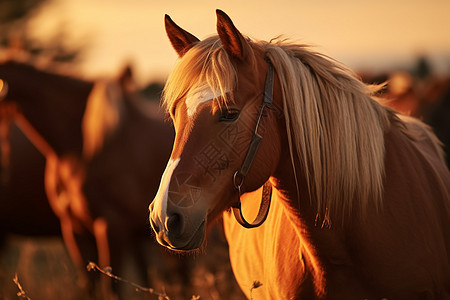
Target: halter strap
(239,175)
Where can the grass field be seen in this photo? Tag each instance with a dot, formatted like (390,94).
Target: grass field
(45,271)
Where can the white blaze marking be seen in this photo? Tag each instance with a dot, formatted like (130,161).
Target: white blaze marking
(197,97)
(160,201)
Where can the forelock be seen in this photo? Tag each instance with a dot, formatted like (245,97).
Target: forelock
(204,66)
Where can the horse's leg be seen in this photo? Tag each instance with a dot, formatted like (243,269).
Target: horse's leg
(101,238)
(5,150)
(74,251)
(103,251)
(59,201)
(2,269)
(119,240)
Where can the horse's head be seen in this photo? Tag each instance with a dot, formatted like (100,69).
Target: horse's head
(215,97)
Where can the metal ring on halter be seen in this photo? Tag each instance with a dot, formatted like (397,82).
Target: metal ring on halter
(242,176)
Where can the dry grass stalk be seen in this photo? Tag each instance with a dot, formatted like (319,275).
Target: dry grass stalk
(256,284)
(107,271)
(21,293)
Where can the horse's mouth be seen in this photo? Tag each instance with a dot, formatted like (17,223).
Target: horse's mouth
(194,243)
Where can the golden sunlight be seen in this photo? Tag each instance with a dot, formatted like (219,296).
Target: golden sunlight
(364,35)
(95,178)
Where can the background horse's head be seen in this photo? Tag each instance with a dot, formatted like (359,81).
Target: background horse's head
(213,96)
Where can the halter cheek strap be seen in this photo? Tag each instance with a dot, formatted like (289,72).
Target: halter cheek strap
(239,175)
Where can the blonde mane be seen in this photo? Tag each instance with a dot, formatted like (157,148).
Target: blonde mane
(335,128)
(102,116)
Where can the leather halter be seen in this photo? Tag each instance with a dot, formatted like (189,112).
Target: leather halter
(239,175)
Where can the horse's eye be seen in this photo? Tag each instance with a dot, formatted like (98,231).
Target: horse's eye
(230,114)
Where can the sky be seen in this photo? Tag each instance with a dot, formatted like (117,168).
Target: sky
(365,35)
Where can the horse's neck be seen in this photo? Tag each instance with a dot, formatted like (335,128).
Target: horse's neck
(318,231)
(291,186)
(138,120)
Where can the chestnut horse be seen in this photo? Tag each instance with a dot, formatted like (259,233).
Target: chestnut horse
(360,204)
(23,186)
(104,156)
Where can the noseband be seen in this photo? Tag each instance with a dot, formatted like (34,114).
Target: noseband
(239,175)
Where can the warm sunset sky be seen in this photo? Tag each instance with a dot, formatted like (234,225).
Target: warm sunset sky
(372,35)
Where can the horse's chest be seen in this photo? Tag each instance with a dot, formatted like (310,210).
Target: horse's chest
(269,254)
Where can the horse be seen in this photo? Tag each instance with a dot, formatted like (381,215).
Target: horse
(104,155)
(24,182)
(427,100)
(437,118)
(324,192)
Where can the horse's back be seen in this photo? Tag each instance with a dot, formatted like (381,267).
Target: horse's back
(406,244)
(424,139)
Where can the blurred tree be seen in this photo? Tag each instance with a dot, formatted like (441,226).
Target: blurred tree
(153,90)
(13,10)
(423,68)
(15,18)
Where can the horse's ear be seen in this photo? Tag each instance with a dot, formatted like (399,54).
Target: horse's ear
(126,79)
(232,40)
(181,40)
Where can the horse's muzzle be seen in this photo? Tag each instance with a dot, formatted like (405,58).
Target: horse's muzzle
(178,232)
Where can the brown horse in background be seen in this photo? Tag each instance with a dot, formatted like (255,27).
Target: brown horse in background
(104,156)
(356,199)
(23,187)
(427,100)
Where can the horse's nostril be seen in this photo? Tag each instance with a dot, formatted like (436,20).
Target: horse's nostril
(154,226)
(174,224)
